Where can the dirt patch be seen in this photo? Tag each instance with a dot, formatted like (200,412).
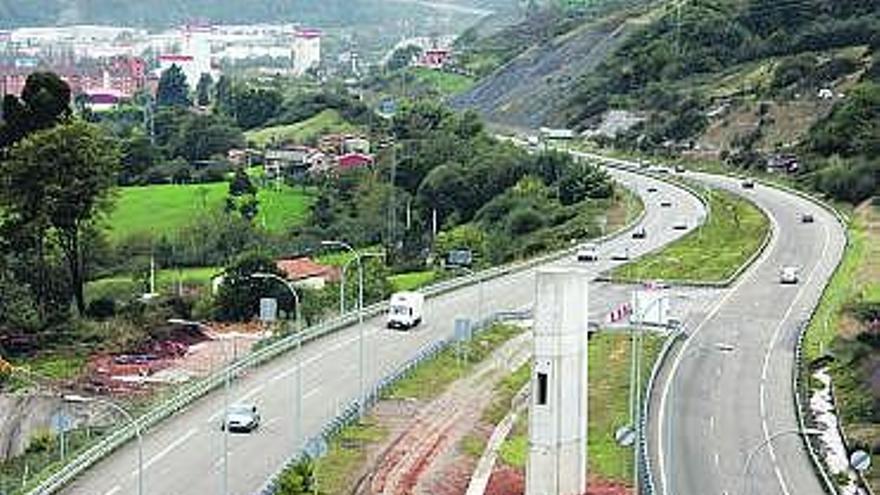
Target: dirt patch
(424,455)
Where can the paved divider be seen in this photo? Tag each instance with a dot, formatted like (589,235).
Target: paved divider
(191,392)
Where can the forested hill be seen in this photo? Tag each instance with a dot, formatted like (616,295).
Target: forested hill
(161,13)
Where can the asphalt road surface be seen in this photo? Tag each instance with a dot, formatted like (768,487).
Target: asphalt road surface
(185,453)
(712,405)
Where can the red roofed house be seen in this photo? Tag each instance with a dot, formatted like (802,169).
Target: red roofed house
(354,160)
(306,273)
(434,58)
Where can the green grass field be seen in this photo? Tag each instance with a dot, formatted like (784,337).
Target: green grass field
(445,82)
(166,281)
(734,231)
(327,121)
(412,280)
(166,208)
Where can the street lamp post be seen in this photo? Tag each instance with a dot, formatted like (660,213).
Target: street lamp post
(342,278)
(298,415)
(361,357)
(79,399)
(767,441)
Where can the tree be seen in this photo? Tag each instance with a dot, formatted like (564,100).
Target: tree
(44,101)
(253,107)
(61,179)
(173,89)
(224,99)
(203,90)
(239,296)
(242,196)
(202,136)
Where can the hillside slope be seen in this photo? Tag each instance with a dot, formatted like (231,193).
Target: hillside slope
(527,91)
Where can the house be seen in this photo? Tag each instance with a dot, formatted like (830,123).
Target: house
(782,162)
(306,273)
(355,144)
(434,58)
(293,161)
(354,160)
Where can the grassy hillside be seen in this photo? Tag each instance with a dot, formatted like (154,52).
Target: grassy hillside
(164,209)
(301,132)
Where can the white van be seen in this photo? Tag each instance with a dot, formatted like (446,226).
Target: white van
(405,310)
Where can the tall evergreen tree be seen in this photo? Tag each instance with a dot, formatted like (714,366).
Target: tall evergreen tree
(173,89)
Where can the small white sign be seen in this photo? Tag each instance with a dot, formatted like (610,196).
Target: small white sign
(268,309)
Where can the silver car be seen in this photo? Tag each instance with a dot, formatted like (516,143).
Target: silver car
(241,418)
(789,275)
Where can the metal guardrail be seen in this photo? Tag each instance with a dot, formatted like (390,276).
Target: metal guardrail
(194,391)
(649,487)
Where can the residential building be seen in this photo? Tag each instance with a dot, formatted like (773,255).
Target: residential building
(306,50)
(293,161)
(305,273)
(354,160)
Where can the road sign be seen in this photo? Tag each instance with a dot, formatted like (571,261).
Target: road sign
(463,330)
(860,461)
(268,309)
(625,436)
(460,257)
(387,108)
(61,423)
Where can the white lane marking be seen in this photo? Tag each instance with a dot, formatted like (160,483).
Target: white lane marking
(113,491)
(250,395)
(664,397)
(167,450)
(769,353)
(717,460)
(712,423)
(312,392)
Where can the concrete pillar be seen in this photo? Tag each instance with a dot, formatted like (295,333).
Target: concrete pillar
(557,463)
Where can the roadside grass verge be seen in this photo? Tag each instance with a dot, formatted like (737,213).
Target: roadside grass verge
(412,280)
(433,376)
(166,281)
(608,395)
(339,470)
(713,252)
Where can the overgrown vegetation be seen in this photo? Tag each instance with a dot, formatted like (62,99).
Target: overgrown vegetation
(734,230)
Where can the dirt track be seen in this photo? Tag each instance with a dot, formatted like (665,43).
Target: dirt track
(423,458)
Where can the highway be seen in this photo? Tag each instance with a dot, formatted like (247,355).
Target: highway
(184,454)
(711,405)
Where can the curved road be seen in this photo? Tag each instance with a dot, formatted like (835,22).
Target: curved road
(713,405)
(184,453)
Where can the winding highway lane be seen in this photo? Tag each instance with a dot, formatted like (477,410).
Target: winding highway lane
(184,454)
(712,406)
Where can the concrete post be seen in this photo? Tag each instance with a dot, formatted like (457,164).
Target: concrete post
(557,463)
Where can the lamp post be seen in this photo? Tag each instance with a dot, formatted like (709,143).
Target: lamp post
(298,415)
(342,281)
(79,399)
(361,358)
(767,441)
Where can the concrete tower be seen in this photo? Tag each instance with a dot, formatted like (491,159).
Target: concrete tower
(557,463)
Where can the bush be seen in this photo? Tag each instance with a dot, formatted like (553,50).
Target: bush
(41,441)
(525,220)
(101,308)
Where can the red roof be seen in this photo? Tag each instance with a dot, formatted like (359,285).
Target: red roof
(352,160)
(175,58)
(303,268)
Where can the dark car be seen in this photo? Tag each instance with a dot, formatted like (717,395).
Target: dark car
(748,184)
(807,218)
(640,233)
(652,189)
(666,203)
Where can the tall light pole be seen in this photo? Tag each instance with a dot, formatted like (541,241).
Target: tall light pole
(297,322)
(342,280)
(79,399)
(361,357)
(767,441)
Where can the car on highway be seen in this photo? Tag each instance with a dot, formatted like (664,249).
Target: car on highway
(621,255)
(640,233)
(666,203)
(652,189)
(807,218)
(748,184)
(788,275)
(587,252)
(405,310)
(680,224)
(679,169)
(241,418)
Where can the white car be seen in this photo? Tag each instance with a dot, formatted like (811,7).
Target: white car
(588,252)
(241,417)
(789,275)
(621,256)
